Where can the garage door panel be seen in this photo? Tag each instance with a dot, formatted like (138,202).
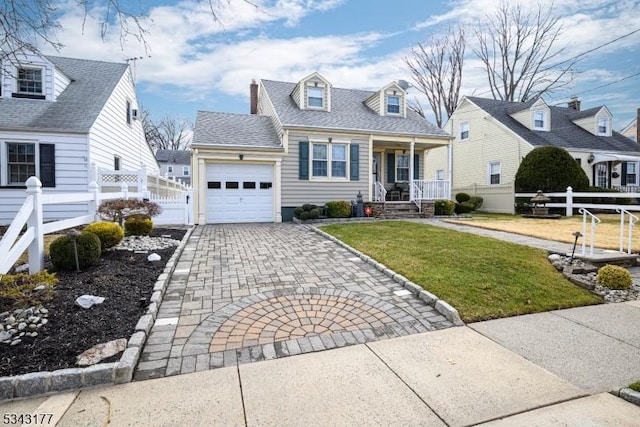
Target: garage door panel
(239,193)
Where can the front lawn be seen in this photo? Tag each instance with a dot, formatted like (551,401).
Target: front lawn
(481,277)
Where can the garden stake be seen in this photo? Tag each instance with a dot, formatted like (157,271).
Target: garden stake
(73,234)
(577,235)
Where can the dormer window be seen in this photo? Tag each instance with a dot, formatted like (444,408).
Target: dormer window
(315,97)
(393,104)
(539,120)
(30,81)
(603,126)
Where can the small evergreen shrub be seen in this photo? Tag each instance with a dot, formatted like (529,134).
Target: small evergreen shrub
(550,169)
(444,207)
(314,213)
(61,251)
(305,216)
(338,209)
(462,197)
(307,207)
(614,277)
(476,201)
(464,207)
(298,211)
(109,233)
(138,225)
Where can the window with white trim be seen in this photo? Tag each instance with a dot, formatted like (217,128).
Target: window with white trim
(128,112)
(495,169)
(315,97)
(464,131)
(170,169)
(603,126)
(402,168)
(185,170)
(21,162)
(393,104)
(539,119)
(29,81)
(632,173)
(440,174)
(329,160)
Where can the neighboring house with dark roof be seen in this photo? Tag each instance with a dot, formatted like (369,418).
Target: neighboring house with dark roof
(492,137)
(175,164)
(308,142)
(631,130)
(58,117)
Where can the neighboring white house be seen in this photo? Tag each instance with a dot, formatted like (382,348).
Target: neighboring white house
(175,164)
(492,137)
(309,142)
(631,130)
(58,116)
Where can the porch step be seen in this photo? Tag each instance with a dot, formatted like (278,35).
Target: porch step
(399,210)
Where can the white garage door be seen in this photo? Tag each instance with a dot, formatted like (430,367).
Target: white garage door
(239,193)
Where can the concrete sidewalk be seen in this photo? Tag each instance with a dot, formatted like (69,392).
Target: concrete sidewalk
(450,377)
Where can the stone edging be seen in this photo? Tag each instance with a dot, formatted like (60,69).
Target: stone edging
(442,307)
(37,383)
(629,395)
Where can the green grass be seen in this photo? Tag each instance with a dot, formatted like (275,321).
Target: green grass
(635,386)
(483,278)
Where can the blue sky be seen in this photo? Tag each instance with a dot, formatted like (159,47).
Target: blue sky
(196,64)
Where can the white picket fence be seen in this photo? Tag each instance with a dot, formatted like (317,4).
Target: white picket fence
(175,211)
(110,180)
(570,204)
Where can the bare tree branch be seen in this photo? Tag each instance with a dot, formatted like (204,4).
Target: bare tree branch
(516,48)
(169,133)
(436,69)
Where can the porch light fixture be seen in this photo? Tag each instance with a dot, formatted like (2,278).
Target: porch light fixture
(330,140)
(241,156)
(591,158)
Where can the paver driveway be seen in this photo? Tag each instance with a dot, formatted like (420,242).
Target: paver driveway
(249,292)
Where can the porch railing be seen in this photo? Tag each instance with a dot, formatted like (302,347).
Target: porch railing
(380,192)
(430,190)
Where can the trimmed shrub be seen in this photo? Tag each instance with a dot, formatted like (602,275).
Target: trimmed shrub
(476,201)
(120,209)
(464,208)
(138,225)
(298,211)
(614,277)
(307,207)
(314,213)
(61,251)
(550,169)
(305,216)
(109,233)
(462,197)
(338,209)
(444,207)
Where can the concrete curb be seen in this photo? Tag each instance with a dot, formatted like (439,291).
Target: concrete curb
(442,307)
(629,395)
(39,383)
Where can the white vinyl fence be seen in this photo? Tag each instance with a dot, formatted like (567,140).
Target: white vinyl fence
(570,204)
(175,211)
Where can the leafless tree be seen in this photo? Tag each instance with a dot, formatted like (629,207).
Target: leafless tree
(28,25)
(436,71)
(169,133)
(517,48)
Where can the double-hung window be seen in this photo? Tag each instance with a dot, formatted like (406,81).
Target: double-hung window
(603,126)
(315,97)
(30,81)
(494,173)
(539,120)
(329,160)
(632,173)
(185,170)
(393,104)
(170,169)
(464,131)
(402,168)
(21,162)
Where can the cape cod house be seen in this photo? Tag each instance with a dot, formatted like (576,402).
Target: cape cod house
(309,142)
(59,119)
(493,136)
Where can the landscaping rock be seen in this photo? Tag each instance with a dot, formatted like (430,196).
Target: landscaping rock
(88,301)
(154,257)
(101,351)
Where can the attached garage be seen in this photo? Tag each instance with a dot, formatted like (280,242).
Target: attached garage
(239,192)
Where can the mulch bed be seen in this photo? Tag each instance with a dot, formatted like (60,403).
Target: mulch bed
(124,278)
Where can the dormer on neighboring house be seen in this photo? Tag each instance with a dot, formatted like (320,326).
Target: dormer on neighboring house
(32,77)
(313,93)
(389,101)
(536,117)
(597,121)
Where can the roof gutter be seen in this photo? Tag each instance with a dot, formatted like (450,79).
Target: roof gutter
(370,132)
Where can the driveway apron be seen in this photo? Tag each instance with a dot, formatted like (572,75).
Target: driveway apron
(247,292)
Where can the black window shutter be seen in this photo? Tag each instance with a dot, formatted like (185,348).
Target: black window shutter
(303,160)
(624,173)
(354,162)
(48,165)
(416,166)
(391,168)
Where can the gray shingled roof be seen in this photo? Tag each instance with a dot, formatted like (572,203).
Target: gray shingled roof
(179,157)
(76,108)
(348,112)
(564,133)
(242,130)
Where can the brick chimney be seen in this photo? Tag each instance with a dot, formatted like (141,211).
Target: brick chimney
(253,96)
(574,103)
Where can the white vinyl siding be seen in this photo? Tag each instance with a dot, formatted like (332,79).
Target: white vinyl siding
(265,108)
(60,83)
(112,136)
(296,192)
